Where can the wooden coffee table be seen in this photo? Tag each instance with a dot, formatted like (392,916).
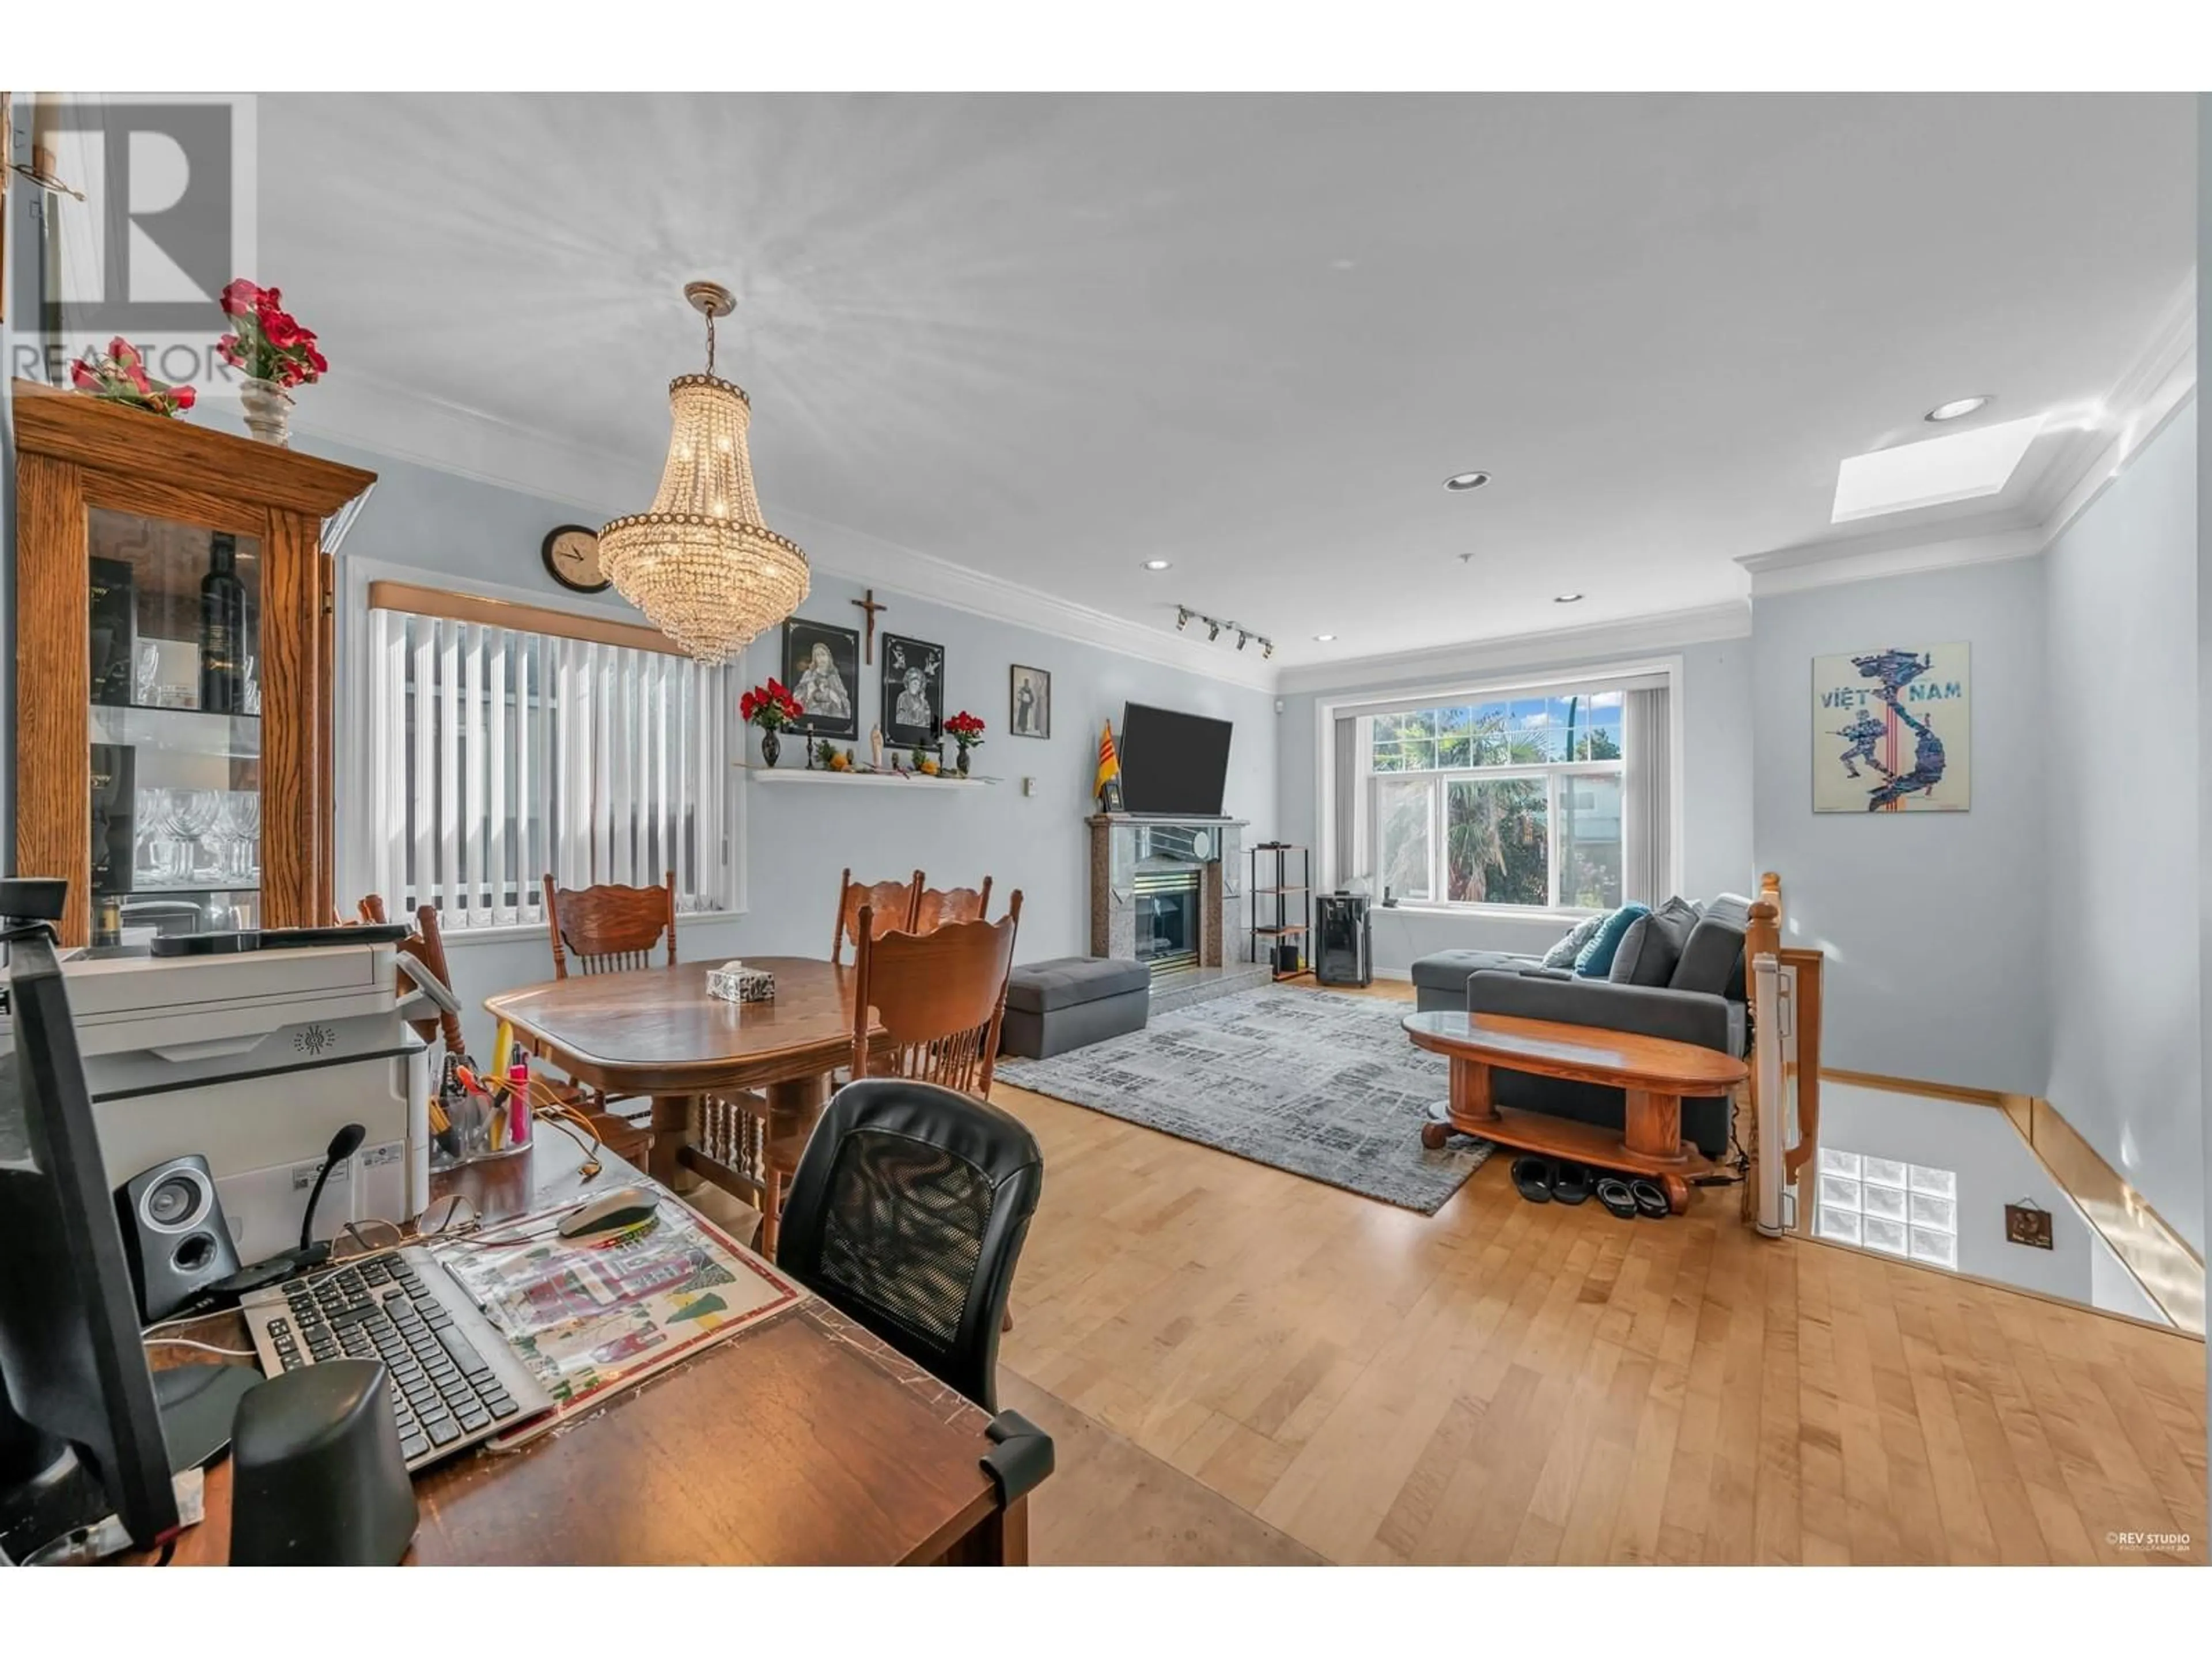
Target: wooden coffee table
(1655,1073)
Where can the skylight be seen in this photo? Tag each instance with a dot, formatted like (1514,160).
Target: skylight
(1956,468)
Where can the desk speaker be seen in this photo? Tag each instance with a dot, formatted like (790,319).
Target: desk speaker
(174,1235)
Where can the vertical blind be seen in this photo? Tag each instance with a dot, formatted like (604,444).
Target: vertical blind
(498,756)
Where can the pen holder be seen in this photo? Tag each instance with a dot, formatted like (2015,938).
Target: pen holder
(478,1128)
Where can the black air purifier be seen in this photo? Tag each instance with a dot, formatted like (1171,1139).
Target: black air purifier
(1344,952)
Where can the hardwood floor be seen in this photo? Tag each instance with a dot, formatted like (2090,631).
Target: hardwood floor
(1506,1382)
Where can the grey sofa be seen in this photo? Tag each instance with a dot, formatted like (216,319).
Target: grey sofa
(1700,1000)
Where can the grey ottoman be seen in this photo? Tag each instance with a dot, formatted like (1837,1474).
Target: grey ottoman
(1072,1001)
(1440,981)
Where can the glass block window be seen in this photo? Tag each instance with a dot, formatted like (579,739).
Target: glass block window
(1908,1210)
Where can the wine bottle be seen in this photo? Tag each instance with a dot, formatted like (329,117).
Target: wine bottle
(222,629)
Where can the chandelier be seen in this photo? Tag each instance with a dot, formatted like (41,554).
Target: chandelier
(699,563)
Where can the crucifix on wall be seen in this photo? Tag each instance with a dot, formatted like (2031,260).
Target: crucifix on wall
(869,604)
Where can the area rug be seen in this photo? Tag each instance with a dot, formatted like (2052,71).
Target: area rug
(1323,1086)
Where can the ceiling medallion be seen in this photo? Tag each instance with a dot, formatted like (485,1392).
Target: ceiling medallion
(699,563)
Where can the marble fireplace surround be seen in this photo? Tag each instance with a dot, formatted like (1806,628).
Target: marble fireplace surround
(1121,845)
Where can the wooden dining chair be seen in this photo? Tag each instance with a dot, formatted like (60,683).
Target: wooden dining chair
(938,905)
(609,930)
(892,902)
(940,995)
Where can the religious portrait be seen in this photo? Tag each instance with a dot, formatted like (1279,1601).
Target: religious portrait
(822,666)
(1029,715)
(913,692)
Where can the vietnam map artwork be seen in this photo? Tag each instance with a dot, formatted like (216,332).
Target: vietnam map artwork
(1892,730)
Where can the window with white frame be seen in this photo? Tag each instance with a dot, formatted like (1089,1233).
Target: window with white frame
(1904,1209)
(1513,801)
(498,756)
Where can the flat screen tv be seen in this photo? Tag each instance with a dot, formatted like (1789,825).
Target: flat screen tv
(1172,763)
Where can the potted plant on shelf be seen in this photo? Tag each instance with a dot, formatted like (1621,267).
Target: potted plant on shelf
(267,343)
(771,708)
(117,375)
(966,730)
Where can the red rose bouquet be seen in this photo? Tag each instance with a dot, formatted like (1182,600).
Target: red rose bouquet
(769,706)
(965,729)
(266,342)
(119,375)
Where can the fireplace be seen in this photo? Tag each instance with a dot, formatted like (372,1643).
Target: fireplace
(1170,892)
(1168,928)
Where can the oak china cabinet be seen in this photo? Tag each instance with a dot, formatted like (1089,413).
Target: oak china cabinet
(173,670)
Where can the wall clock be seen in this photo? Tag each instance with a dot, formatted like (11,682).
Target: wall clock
(572,558)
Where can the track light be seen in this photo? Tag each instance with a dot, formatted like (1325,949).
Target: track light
(1212,632)
(1182,619)
(1215,627)
(1242,639)
(1267,648)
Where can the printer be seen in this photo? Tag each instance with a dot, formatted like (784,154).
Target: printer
(255,1060)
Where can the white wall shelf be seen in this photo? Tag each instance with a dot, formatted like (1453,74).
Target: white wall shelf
(918,781)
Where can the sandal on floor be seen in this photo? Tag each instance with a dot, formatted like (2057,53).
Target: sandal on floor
(1572,1185)
(1612,1192)
(1532,1177)
(1650,1199)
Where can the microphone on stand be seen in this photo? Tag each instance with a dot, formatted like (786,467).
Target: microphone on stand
(310,1254)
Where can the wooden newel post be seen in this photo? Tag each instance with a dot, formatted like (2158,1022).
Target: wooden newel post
(1762,939)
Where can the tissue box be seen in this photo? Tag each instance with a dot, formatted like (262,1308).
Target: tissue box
(735,983)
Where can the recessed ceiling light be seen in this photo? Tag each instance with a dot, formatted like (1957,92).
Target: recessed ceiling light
(1466,481)
(1955,408)
(1156,564)
(1324,638)
(1566,598)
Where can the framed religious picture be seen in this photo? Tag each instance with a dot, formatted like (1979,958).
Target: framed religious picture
(822,668)
(1031,693)
(913,692)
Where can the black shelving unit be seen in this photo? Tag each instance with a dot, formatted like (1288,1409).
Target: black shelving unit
(1277,930)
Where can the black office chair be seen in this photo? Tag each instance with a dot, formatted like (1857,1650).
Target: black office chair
(907,1211)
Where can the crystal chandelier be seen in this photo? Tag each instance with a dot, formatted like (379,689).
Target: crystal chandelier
(700,564)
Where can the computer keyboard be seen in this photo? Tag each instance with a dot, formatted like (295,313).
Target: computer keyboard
(454,1379)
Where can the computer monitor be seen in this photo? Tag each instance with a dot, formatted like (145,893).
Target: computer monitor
(74,1373)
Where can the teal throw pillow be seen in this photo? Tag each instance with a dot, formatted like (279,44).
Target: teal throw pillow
(1597,960)
(1563,954)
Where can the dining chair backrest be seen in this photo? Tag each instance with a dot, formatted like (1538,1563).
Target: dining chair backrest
(609,930)
(893,903)
(938,905)
(427,946)
(940,995)
(907,1212)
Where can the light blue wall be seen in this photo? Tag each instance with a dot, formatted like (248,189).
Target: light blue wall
(1934,922)
(798,839)
(1716,766)
(2122,740)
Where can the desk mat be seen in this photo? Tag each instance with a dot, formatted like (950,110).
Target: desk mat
(590,1318)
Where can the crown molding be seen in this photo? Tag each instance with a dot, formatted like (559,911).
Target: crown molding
(1554,647)
(1897,553)
(841,551)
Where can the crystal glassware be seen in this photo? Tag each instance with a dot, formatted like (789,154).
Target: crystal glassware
(241,829)
(195,814)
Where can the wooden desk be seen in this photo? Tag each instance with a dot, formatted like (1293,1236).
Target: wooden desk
(799,1442)
(657,1032)
(1655,1073)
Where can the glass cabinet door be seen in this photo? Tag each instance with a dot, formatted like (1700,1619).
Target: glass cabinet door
(175,728)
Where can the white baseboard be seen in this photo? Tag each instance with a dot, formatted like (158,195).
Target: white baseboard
(1403,976)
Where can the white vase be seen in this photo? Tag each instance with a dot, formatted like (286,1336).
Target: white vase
(267,409)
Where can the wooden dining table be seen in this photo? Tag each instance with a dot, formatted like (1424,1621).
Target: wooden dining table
(656,1031)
